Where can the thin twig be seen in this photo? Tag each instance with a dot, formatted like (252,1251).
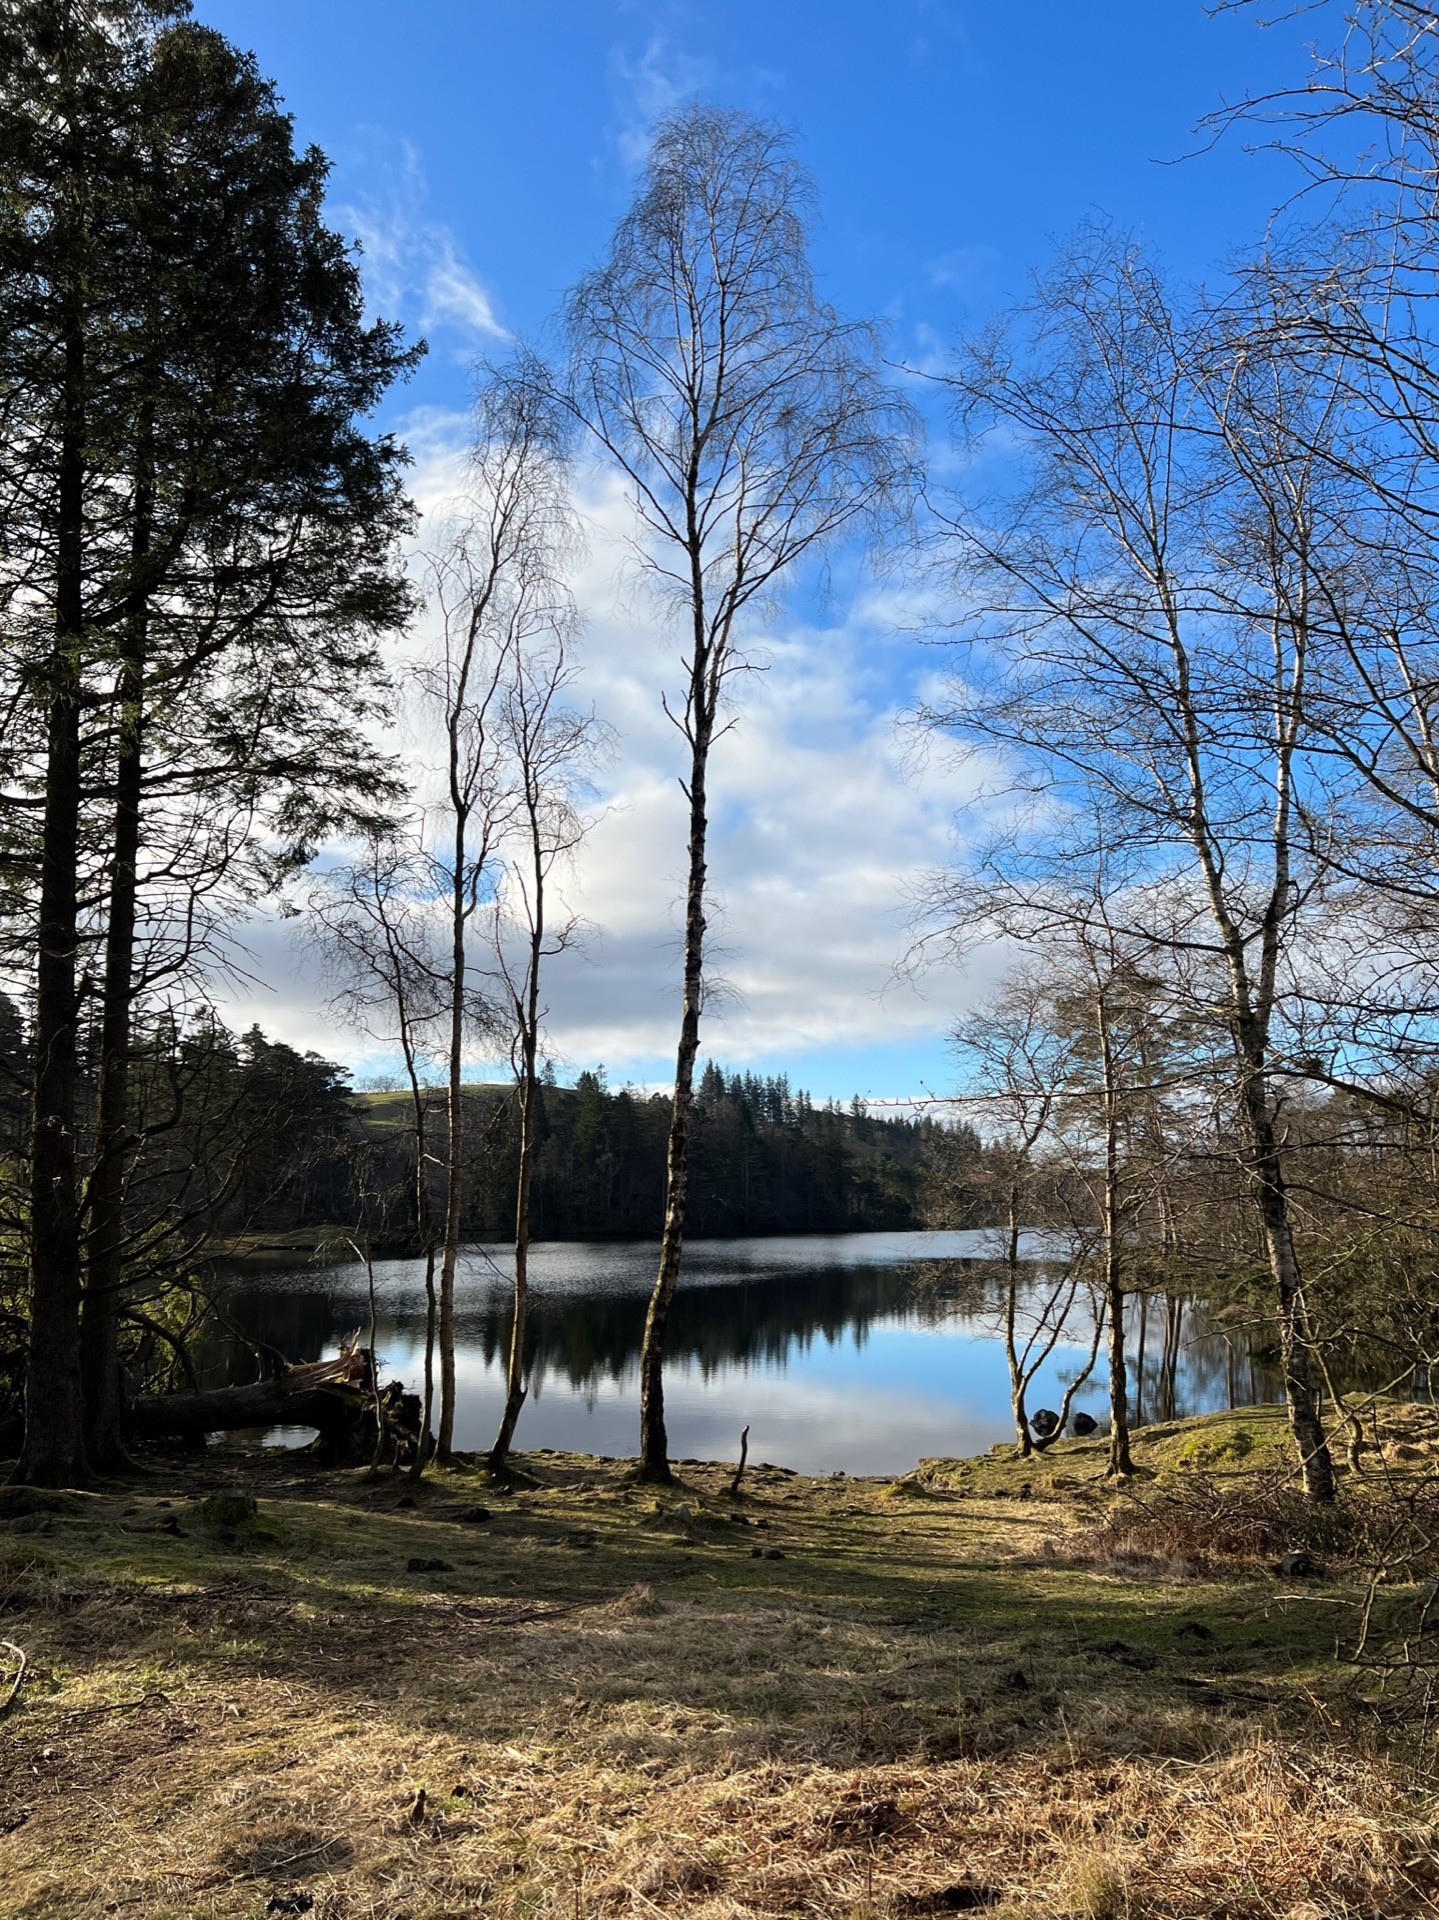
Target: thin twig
(270,1866)
(234,1879)
(118,1706)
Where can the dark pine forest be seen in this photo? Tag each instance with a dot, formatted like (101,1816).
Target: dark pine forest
(764,1159)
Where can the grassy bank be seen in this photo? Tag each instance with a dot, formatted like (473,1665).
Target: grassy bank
(967,1689)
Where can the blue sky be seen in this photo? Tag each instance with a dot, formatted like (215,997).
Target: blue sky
(482,149)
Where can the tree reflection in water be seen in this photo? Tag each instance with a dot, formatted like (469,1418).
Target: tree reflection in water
(780,1308)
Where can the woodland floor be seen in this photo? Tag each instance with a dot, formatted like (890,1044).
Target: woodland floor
(833,1697)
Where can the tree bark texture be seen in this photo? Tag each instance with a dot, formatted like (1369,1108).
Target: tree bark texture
(1023,1440)
(515,1368)
(529,1099)
(1119,1460)
(1301,1396)
(104,1388)
(356,1424)
(54,1446)
(455,1149)
(654,1440)
(427,1244)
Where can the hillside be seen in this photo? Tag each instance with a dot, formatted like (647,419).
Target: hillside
(763,1159)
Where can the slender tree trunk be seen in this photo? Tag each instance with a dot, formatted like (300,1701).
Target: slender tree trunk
(1024,1443)
(455,1150)
(1119,1460)
(654,1441)
(427,1247)
(528,1010)
(515,1371)
(1301,1396)
(100,1322)
(431,1318)
(54,1445)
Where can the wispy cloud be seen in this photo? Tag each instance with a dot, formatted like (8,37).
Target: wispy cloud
(414,264)
(661,79)
(824,831)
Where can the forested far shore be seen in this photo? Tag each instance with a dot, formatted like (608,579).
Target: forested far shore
(763,1159)
(258,1139)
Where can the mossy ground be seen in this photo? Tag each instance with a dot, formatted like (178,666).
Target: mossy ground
(829,1698)
(1246,1440)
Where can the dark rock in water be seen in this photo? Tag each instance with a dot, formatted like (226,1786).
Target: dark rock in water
(1298,1566)
(1044,1422)
(419,1565)
(1083,1424)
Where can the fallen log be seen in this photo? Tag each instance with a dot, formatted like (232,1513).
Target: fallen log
(335,1396)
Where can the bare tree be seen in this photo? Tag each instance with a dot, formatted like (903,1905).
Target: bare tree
(753,427)
(495,578)
(374,926)
(1017,1059)
(1148,636)
(550,746)
(1110,1003)
(1106,985)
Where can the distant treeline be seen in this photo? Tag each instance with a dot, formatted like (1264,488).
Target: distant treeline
(246,1135)
(240,1138)
(764,1159)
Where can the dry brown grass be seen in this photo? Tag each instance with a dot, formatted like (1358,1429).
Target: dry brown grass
(1198,1524)
(614,1710)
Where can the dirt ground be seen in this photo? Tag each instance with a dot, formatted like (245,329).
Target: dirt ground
(581,1698)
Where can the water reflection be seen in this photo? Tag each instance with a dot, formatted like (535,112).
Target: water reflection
(859,1352)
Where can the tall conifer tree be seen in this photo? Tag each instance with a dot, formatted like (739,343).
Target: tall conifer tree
(210,541)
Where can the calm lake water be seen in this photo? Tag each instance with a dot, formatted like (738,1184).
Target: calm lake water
(857,1352)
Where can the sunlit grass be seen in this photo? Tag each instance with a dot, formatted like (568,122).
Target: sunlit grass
(615,1704)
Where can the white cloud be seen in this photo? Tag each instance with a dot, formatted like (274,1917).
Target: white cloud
(823,830)
(820,836)
(414,264)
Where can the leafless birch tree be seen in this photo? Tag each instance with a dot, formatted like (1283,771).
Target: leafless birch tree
(1017,1060)
(373,925)
(1144,647)
(495,582)
(549,747)
(753,427)
(1352,287)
